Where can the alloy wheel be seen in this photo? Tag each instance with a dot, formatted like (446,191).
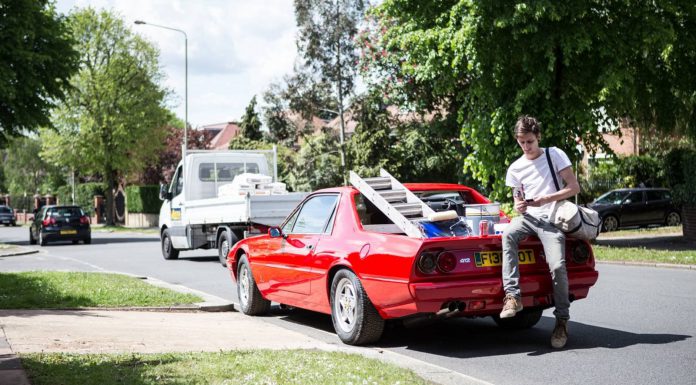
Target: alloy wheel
(345,305)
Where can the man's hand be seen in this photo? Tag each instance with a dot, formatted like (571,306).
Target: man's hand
(520,206)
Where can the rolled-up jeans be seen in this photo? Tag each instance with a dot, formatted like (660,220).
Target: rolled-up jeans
(553,241)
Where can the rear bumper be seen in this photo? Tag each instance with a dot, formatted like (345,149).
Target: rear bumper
(55,235)
(484,296)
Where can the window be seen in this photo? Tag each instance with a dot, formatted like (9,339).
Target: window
(634,197)
(5,210)
(66,212)
(368,213)
(178,185)
(315,214)
(613,197)
(224,172)
(655,195)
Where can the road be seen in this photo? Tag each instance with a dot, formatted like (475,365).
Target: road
(638,325)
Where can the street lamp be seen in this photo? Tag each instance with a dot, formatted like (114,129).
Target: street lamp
(185,146)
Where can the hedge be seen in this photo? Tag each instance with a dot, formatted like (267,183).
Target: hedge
(84,195)
(143,199)
(680,166)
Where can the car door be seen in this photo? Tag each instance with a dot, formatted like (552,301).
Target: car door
(289,269)
(656,207)
(36,223)
(633,209)
(177,231)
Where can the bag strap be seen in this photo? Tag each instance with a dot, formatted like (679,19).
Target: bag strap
(551,169)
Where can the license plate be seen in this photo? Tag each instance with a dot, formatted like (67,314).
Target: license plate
(495,258)
(68,232)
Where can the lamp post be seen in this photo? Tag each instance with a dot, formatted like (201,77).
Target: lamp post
(185,145)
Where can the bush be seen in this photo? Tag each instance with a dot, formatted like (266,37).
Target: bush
(84,195)
(143,199)
(680,165)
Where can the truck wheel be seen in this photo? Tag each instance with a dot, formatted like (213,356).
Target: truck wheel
(168,251)
(522,320)
(225,242)
(250,299)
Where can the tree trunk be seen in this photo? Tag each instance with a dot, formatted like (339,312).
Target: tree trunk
(110,203)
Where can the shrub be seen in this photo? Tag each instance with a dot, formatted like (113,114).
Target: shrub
(84,194)
(143,199)
(680,165)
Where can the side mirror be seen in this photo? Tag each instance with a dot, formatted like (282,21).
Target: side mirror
(164,193)
(275,232)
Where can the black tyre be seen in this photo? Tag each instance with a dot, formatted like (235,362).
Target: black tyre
(250,299)
(355,319)
(610,223)
(673,219)
(75,241)
(32,240)
(525,319)
(225,242)
(42,239)
(168,250)
(87,240)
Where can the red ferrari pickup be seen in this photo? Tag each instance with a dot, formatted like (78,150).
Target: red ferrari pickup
(337,254)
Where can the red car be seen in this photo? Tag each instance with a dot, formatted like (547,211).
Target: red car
(337,254)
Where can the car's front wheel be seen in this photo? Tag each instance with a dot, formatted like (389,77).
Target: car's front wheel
(224,243)
(168,250)
(525,319)
(673,219)
(610,223)
(355,319)
(250,299)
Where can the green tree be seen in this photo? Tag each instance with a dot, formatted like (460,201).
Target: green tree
(250,126)
(275,114)
(578,66)
(26,171)
(318,164)
(36,60)
(112,120)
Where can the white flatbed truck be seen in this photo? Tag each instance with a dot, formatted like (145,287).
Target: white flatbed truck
(196,214)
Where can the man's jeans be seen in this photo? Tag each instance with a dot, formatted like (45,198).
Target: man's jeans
(554,249)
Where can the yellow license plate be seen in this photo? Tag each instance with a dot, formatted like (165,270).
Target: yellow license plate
(495,258)
(68,232)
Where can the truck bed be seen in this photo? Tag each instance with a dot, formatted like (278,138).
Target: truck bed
(269,210)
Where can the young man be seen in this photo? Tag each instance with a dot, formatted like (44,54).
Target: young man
(534,196)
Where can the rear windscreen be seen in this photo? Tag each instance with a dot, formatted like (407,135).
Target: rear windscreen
(5,210)
(66,212)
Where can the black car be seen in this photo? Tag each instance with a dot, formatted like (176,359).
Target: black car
(7,216)
(636,207)
(60,223)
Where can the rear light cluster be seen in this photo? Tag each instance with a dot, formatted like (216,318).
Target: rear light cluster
(443,261)
(49,221)
(84,220)
(581,253)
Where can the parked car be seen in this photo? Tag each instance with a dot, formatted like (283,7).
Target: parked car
(336,253)
(7,216)
(628,207)
(60,223)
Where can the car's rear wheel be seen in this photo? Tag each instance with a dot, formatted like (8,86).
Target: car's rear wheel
(673,219)
(75,241)
(87,240)
(42,239)
(224,243)
(32,240)
(168,250)
(525,319)
(610,223)
(250,299)
(355,319)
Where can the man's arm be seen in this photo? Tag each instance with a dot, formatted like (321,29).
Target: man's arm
(572,188)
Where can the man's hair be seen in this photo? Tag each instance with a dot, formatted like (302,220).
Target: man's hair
(527,124)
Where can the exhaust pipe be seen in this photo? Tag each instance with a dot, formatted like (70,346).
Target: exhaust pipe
(451,308)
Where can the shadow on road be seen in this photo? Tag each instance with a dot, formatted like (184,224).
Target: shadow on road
(95,241)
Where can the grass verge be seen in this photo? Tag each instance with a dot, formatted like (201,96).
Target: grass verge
(51,290)
(121,229)
(646,232)
(234,367)
(642,254)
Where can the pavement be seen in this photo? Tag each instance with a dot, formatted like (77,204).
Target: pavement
(210,326)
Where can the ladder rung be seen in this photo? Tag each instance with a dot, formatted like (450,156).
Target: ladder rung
(408,209)
(378,183)
(392,196)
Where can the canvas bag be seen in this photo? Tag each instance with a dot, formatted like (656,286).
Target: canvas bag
(575,221)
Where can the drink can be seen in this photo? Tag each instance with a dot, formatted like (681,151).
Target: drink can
(483,228)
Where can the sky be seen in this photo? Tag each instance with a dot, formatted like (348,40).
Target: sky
(236,48)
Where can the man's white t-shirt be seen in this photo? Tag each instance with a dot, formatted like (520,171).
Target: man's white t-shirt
(534,177)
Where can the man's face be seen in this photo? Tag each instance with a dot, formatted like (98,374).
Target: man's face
(529,143)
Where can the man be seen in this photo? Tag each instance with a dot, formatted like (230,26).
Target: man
(534,196)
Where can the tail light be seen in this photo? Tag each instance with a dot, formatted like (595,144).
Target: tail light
(49,221)
(84,220)
(426,263)
(446,262)
(581,253)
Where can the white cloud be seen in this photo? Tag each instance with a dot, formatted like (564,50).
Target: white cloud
(236,48)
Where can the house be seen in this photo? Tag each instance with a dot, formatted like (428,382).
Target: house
(222,134)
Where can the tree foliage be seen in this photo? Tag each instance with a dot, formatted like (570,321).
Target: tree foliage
(578,66)
(36,60)
(111,120)
(250,126)
(317,164)
(26,172)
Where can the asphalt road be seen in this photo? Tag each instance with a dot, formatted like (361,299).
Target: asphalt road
(638,325)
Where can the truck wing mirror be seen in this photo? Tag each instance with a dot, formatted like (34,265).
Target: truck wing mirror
(164,193)
(275,232)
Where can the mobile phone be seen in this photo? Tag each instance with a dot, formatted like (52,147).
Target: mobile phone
(529,200)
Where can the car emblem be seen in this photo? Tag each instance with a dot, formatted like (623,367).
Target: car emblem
(465,260)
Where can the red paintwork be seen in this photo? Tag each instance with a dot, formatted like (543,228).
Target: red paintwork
(287,272)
